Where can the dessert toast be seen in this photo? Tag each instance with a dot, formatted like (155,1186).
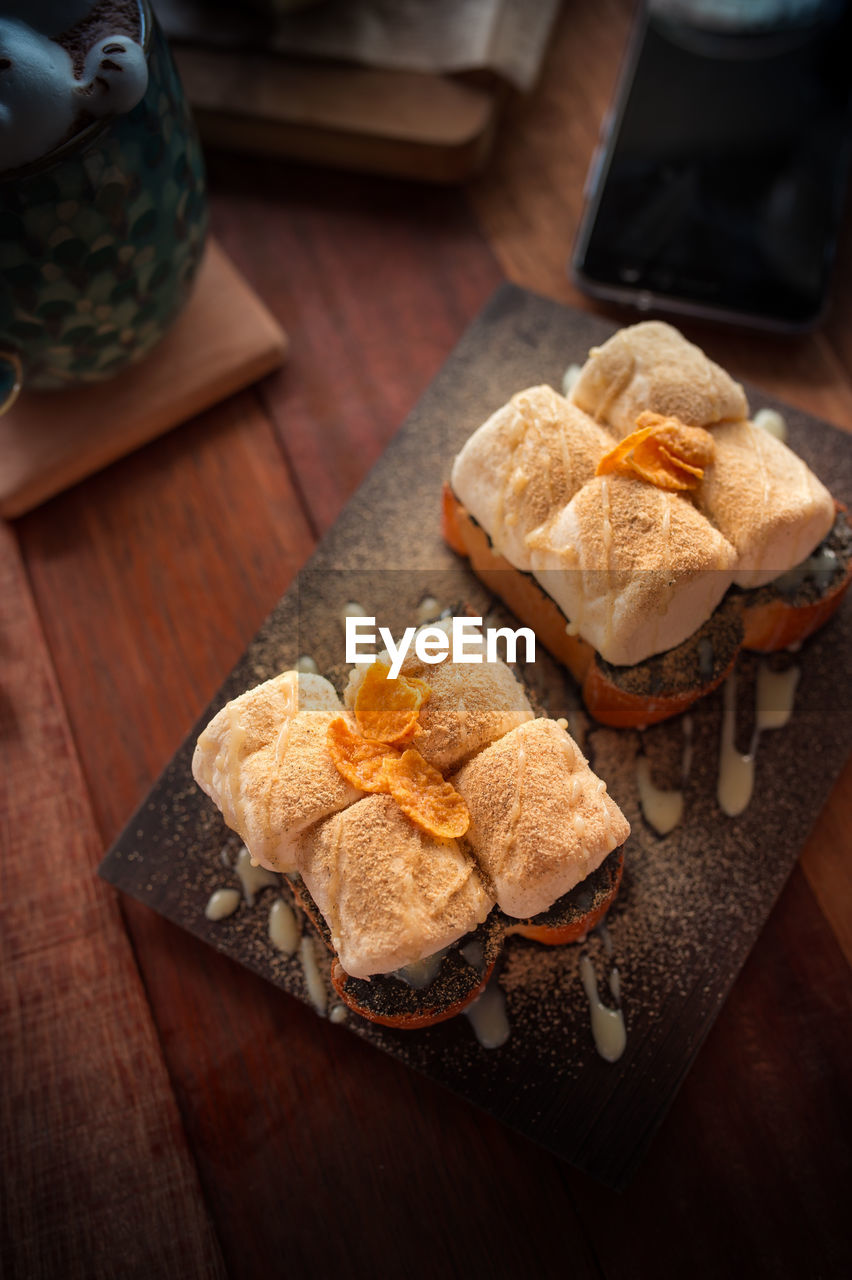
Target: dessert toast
(419,823)
(645,548)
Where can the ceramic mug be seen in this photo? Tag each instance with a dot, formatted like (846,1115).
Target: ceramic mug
(101,236)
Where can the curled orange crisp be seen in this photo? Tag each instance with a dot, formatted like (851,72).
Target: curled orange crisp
(373,759)
(424,796)
(388,710)
(359,760)
(663,451)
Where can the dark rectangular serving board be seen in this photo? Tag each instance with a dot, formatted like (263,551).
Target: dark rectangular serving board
(692,903)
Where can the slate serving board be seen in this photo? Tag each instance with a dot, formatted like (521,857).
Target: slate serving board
(692,903)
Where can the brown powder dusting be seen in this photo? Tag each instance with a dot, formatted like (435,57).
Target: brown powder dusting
(391,893)
(540,820)
(652,366)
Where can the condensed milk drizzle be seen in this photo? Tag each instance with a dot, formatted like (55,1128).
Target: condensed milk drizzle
(662,809)
(222,903)
(775,695)
(608,1029)
(736,771)
(487,1016)
(428,610)
(284,929)
(316,988)
(253,878)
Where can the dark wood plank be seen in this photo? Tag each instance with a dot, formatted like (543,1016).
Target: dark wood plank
(97,1179)
(150,578)
(373,283)
(827,864)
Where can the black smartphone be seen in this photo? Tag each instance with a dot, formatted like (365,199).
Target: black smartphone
(718,186)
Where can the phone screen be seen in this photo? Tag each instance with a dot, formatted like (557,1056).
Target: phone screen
(721,186)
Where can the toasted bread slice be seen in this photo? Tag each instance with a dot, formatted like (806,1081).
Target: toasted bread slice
(785,612)
(463,970)
(782,613)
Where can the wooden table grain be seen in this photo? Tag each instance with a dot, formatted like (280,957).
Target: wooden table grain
(164,1113)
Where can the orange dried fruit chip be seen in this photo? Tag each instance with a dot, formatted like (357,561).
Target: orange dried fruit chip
(663,451)
(657,471)
(690,446)
(358,759)
(388,710)
(424,796)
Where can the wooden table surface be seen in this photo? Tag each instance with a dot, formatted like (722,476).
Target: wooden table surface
(164,1113)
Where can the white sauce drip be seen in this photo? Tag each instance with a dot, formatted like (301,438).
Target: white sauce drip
(337,1013)
(771,421)
(570,378)
(352,609)
(283,927)
(222,903)
(736,772)
(774,699)
(663,809)
(487,1016)
(317,991)
(420,973)
(608,1029)
(427,610)
(776,693)
(253,877)
(474,954)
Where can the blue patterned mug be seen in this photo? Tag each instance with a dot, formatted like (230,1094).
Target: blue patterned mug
(102,231)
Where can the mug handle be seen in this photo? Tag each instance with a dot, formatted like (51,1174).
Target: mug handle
(11,379)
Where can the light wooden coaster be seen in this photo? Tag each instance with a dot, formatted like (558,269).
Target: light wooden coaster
(224,339)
